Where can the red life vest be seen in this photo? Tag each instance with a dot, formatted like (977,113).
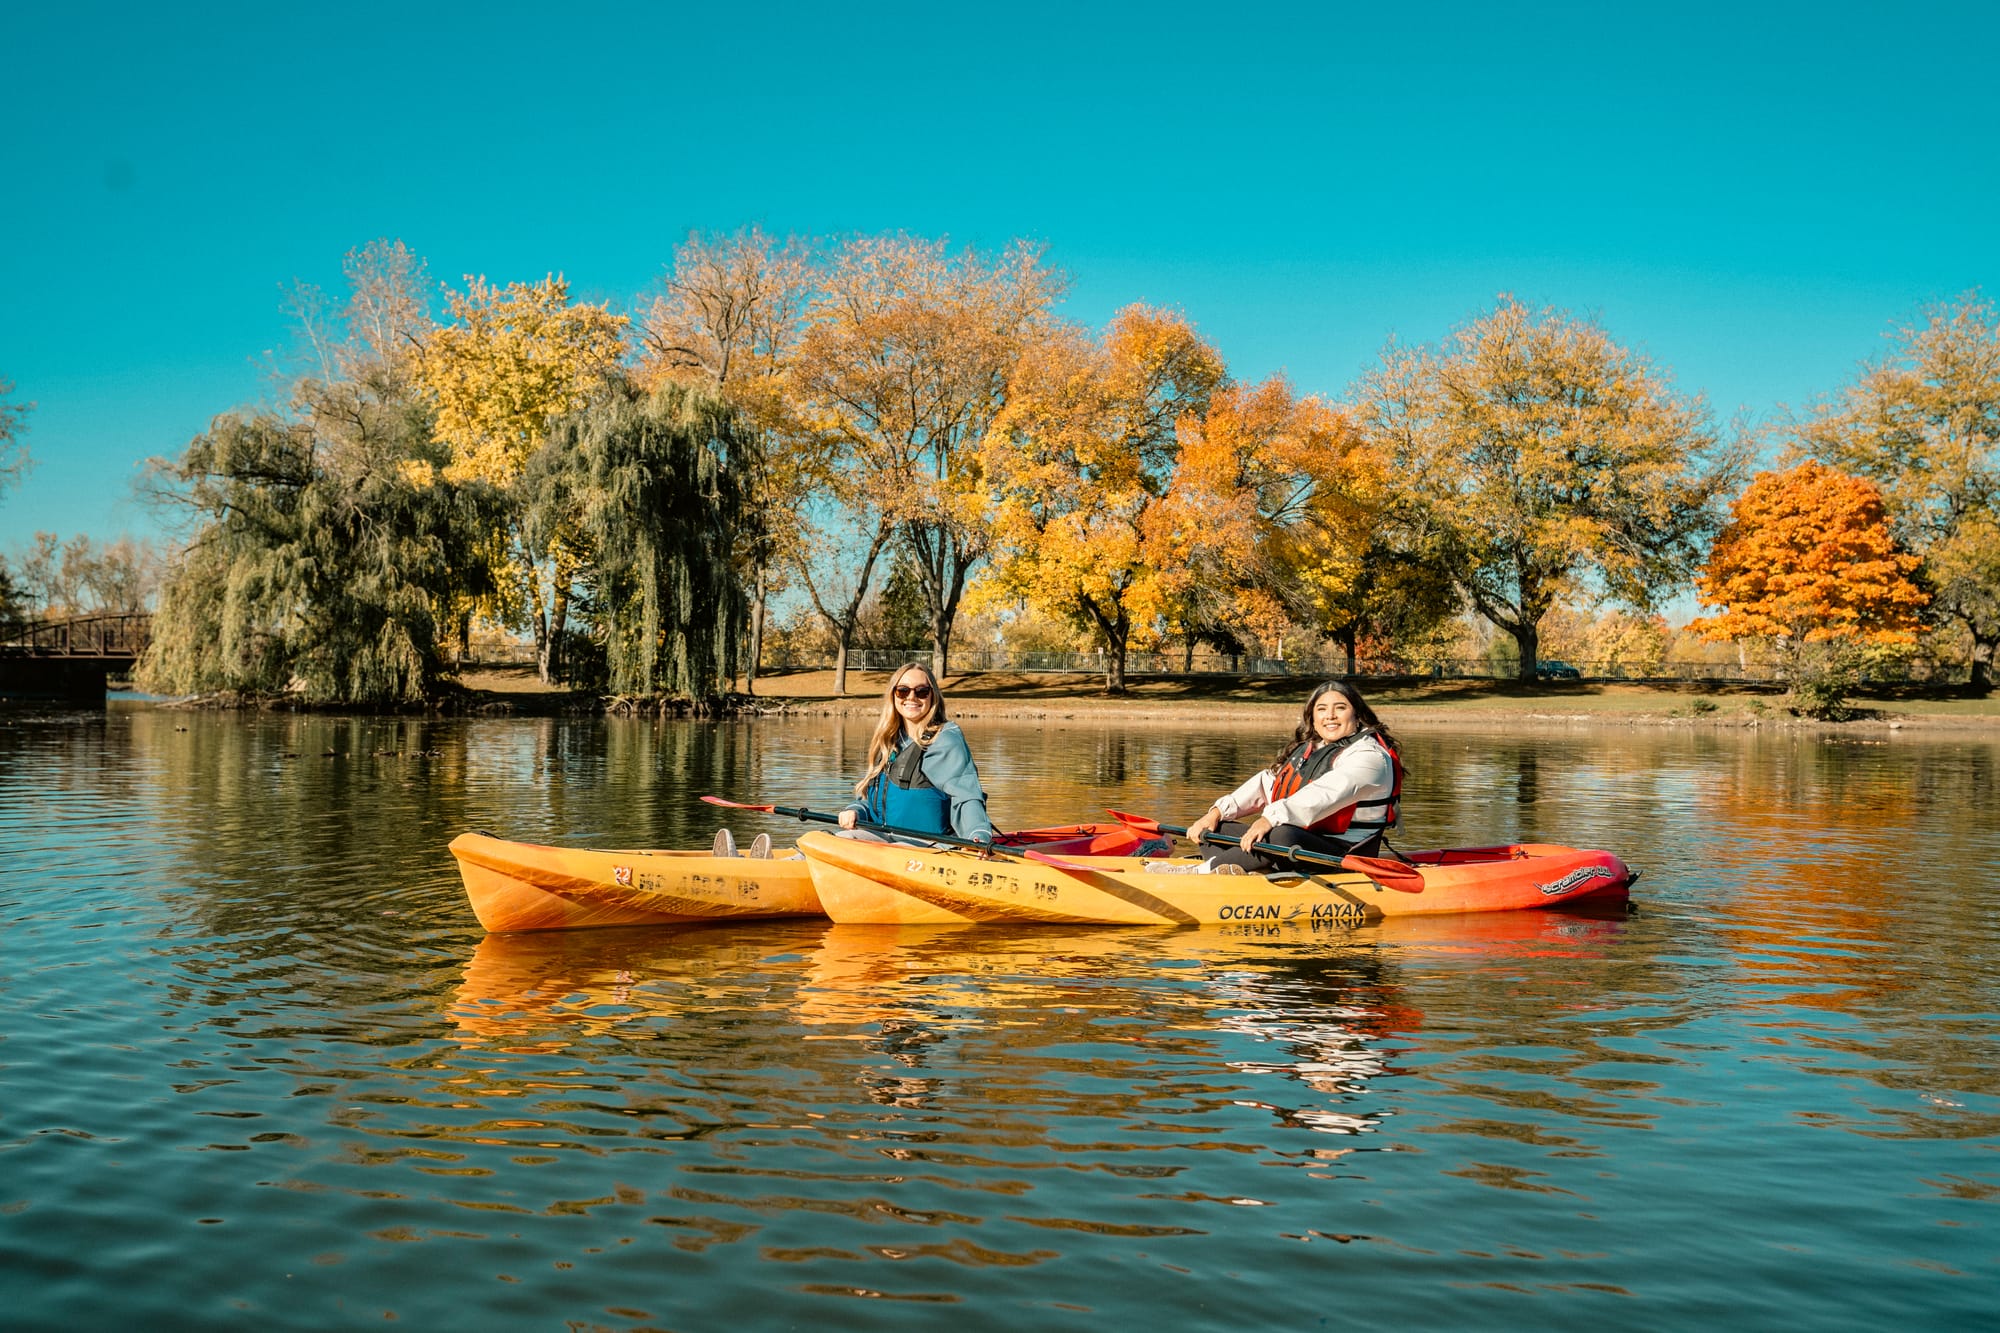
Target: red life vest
(1311,762)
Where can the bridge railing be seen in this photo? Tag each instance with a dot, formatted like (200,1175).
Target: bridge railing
(82,636)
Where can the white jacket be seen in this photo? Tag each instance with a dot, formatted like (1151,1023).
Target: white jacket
(1361,774)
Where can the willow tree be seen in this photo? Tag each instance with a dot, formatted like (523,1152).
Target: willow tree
(730,317)
(648,477)
(327,549)
(316,569)
(1924,425)
(1536,459)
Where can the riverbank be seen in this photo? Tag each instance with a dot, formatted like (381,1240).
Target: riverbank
(1272,700)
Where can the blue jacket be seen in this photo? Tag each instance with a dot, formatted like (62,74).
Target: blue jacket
(947,766)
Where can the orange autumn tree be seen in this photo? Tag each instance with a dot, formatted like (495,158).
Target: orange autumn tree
(1262,523)
(1806,560)
(1079,461)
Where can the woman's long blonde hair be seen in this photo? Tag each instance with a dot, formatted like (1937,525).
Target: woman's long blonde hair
(882,745)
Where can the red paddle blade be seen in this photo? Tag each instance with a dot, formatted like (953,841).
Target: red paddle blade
(738,805)
(1140,822)
(1389,874)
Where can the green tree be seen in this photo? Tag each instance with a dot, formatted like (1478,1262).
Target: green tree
(731,317)
(1924,425)
(647,477)
(327,549)
(316,569)
(1536,458)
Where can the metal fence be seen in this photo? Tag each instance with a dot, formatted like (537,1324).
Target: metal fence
(1322,666)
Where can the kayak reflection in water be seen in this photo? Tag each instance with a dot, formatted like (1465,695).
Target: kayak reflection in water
(920,772)
(1333,789)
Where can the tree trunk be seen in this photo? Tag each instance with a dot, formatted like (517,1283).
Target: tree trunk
(541,627)
(464,637)
(941,648)
(1187,656)
(1114,669)
(1982,665)
(552,642)
(756,635)
(1348,639)
(1528,642)
(840,661)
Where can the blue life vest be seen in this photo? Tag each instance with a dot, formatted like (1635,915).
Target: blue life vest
(902,797)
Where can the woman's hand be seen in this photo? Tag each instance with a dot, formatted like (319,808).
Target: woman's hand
(1205,825)
(1255,833)
(846,818)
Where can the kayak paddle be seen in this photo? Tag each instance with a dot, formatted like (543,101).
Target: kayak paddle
(801,813)
(1389,874)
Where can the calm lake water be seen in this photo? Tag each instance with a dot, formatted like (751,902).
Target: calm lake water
(260,1068)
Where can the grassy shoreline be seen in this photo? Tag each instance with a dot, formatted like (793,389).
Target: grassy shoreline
(1268,700)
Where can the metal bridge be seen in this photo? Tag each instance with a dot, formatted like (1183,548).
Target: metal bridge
(71,659)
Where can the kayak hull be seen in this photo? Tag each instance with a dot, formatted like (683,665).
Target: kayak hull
(1119,890)
(848,893)
(515,886)
(525,886)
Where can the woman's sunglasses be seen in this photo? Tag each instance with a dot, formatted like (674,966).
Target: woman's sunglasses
(913,691)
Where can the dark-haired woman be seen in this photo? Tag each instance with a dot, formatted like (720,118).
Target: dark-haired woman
(920,774)
(1333,789)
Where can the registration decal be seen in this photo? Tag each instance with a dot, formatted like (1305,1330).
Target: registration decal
(1577,879)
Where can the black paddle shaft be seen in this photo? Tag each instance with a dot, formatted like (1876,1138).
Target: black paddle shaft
(801,813)
(1292,854)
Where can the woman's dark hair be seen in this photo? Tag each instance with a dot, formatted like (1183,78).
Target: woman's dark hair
(1364,716)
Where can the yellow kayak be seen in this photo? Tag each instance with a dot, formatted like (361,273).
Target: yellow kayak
(526,886)
(909,885)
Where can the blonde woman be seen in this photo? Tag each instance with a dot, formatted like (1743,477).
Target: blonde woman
(920,774)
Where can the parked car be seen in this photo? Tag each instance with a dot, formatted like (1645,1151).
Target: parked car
(1553,670)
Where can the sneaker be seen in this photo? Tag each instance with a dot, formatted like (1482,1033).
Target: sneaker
(1226,868)
(1167,868)
(760,847)
(725,843)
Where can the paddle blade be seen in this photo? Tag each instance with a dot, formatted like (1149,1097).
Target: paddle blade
(738,805)
(1140,822)
(1389,874)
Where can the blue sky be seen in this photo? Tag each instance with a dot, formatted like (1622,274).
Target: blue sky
(1748,193)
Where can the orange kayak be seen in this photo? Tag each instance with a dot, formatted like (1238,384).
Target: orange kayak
(908,885)
(526,886)
(515,886)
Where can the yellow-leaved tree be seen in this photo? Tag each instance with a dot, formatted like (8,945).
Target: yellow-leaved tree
(903,370)
(512,361)
(1079,462)
(1536,459)
(1924,425)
